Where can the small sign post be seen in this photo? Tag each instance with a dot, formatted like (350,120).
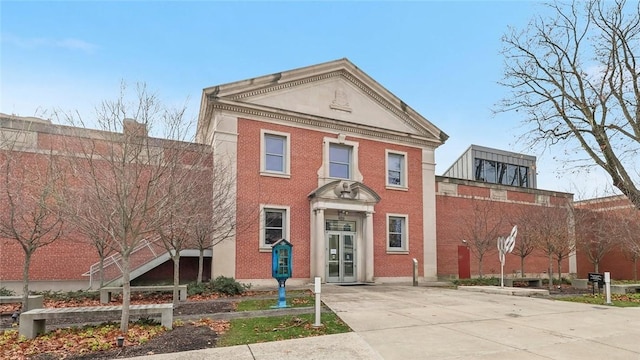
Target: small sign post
(596,278)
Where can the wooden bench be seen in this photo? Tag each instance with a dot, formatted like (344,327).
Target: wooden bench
(105,292)
(625,289)
(33,322)
(33,301)
(537,282)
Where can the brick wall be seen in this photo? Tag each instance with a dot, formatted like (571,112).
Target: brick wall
(453,214)
(306,159)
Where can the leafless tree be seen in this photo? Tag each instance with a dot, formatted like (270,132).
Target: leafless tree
(525,242)
(30,182)
(85,221)
(217,220)
(551,231)
(124,173)
(481,229)
(575,77)
(596,234)
(189,198)
(628,231)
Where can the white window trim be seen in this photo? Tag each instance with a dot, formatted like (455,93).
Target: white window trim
(286,222)
(405,239)
(405,171)
(287,154)
(356,175)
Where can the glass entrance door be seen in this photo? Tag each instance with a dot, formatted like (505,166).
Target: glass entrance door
(341,256)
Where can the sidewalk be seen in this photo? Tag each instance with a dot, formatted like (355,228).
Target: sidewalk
(404,322)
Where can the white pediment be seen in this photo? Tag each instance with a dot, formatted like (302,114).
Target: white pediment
(337,92)
(335,98)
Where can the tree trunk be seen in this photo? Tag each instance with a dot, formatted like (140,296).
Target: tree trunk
(596,266)
(635,268)
(101,271)
(126,294)
(176,278)
(200,266)
(550,272)
(522,266)
(559,271)
(480,265)
(25,282)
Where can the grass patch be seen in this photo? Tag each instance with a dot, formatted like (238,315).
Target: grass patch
(266,304)
(255,330)
(619,300)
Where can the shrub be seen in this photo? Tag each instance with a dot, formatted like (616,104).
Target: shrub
(485,281)
(6,292)
(228,286)
(70,296)
(204,288)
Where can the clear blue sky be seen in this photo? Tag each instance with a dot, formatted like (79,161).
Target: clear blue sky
(441,58)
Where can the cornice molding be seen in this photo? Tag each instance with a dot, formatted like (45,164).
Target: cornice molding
(348,76)
(323,124)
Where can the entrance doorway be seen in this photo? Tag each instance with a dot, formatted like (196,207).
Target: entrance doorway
(341,252)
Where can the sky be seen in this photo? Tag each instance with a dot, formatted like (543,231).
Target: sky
(441,58)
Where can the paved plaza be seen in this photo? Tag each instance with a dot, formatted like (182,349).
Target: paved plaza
(403,322)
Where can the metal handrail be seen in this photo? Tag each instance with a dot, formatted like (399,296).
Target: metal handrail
(116,258)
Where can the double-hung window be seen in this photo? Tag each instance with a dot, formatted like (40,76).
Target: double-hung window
(275,225)
(340,161)
(396,169)
(274,157)
(397,233)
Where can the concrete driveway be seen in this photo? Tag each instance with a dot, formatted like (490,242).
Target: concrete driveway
(404,322)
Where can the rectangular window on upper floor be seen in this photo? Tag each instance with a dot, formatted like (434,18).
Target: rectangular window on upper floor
(396,165)
(275,153)
(340,161)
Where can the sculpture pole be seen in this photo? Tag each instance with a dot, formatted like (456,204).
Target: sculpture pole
(506,245)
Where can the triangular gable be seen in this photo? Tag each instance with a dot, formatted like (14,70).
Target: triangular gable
(335,90)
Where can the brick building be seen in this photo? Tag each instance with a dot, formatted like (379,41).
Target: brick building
(330,160)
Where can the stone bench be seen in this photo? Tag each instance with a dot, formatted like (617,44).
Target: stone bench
(33,322)
(625,289)
(537,282)
(33,301)
(105,292)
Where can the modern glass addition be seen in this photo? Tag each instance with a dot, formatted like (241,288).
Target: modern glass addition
(501,173)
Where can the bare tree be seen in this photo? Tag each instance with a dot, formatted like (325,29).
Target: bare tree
(30,183)
(124,173)
(575,77)
(551,232)
(596,234)
(628,231)
(188,197)
(219,219)
(526,242)
(81,214)
(481,229)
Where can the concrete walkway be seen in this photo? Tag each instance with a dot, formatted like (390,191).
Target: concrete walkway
(404,322)
(427,323)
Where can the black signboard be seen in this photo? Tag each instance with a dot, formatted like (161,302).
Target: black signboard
(596,278)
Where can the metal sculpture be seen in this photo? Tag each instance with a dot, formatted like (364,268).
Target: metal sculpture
(506,245)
